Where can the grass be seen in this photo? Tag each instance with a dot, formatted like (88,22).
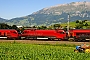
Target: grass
(73,24)
(20,51)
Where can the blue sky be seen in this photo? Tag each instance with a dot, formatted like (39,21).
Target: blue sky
(18,8)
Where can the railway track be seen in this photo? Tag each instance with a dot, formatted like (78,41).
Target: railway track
(44,42)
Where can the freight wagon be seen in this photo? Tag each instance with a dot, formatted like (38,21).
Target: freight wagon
(8,34)
(43,34)
(79,34)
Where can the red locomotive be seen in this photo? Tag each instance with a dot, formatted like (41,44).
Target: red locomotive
(8,34)
(79,34)
(43,34)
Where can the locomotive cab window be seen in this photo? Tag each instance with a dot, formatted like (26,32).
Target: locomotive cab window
(61,32)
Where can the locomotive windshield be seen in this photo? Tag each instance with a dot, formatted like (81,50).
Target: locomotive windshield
(61,32)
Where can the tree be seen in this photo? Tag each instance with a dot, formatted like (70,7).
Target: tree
(56,26)
(4,26)
(86,24)
(79,26)
(77,21)
(42,27)
(85,20)
(65,28)
(14,27)
(33,26)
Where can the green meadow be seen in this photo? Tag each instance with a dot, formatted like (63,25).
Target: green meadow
(20,51)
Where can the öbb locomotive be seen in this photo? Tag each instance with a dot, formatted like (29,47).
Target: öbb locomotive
(43,34)
(8,34)
(58,34)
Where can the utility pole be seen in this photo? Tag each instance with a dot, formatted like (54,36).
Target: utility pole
(68,23)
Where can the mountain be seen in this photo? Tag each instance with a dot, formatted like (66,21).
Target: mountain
(2,20)
(54,14)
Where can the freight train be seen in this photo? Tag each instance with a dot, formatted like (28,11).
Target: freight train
(58,34)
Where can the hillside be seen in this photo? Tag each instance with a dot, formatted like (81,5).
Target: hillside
(54,14)
(3,20)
